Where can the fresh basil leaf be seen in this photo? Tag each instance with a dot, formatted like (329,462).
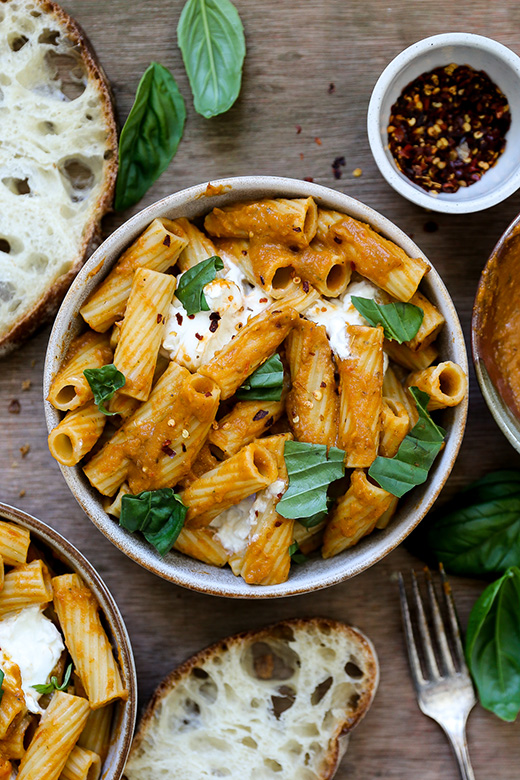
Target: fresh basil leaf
(311,470)
(190,290)
(2,675)
(104,382)
(53,684)
(211,39)
(264,384)
(296,555)
(400,321)
(316,519)
(493,645)
(150,136)
(158,514)
(416,453)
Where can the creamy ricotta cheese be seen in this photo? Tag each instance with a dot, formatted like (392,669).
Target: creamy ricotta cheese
(237,522)
(195,339)
(33,642)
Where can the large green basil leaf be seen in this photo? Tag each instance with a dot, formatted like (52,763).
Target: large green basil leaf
(104,382)
(416,453)
(478,532)
(400,321)
(150,136)
(311,470)
(190,290)
(158,514)
(211,39)
(264,384)
(493,645)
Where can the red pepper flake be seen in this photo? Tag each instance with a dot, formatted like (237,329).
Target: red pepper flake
(317,141)
(338,240)
(213,325)
(448,127)
(263,300)
(207,395)
(302,156)
(323,384)
(183,447)
(167,240)
(244,252)
(262,280)
(14,407)
(430,227)
(179,318)
(199,337)
(332,88)
(159,318)
(269,422)
(167,449)
(278,524)
(298,129)
(305,285)
(297,229)
(308,178)
(260,415)
(337,165)
(191,316)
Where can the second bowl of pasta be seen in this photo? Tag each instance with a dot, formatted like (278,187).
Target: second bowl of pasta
(256,387)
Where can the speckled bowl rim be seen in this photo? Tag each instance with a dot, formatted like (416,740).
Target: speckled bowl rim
(314,574)
(388,170)
(121,738)
(502,414)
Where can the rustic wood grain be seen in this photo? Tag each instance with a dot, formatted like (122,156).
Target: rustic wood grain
(295,50)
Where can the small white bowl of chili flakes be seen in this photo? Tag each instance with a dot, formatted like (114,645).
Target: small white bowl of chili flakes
(444,123)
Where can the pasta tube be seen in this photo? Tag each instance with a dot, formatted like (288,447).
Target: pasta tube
(12,744)
(13,699)
(202,544)
(446,384)
(267,560)
(198,248)
(96,734)
(251,469)
(407,358)
(156,249)
(393,390)
(395,424)
(312,403)
(81,765)
(290,221)
(430,326)
(76,434)
(14,543)
(69,388)
(247,421)
(360,387)
(355,514)
(142,330)
(53,740)
(25,586)
(87,641)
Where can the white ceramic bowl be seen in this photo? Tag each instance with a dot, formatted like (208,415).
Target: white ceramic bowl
(64,557)
(503,67)
(316,573)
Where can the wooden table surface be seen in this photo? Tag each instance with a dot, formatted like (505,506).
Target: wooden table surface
(295,51)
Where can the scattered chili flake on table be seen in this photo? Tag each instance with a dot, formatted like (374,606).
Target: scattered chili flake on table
(14,406)
(448,127)
(338,163)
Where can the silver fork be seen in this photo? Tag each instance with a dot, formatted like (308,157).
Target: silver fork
(442,681)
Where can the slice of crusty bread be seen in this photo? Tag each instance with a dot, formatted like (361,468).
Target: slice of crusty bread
(58,160)
(273,704)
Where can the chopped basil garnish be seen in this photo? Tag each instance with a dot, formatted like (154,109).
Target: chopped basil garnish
(104,382)
(150,136)
(400,321)
(211,39)
(53,685)
(190,290)
(416,453)
(2,675)
(264,384)
(296,555)
(158,514)
(311,470)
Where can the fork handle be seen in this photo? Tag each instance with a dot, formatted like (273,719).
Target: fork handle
(460,748)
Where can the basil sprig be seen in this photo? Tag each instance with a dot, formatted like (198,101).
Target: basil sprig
(311,470)
(400,321)
(296,554)
(190,290)
(104,382)
(478,532)
(150,136)
(158,514)
(493,645)
(53,684)
(264,384)
(2,675)
(416,453)
(211,39)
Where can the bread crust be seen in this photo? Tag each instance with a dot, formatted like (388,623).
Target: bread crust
(49,303)
(338,740)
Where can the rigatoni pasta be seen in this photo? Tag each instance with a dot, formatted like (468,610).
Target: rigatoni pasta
(265,342)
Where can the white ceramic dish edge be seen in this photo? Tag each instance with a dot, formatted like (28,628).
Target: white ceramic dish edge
(315,574)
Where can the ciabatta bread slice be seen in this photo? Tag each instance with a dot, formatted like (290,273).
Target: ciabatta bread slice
(273,704)
(58,160)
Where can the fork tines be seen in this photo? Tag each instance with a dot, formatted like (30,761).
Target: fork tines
(432,634)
